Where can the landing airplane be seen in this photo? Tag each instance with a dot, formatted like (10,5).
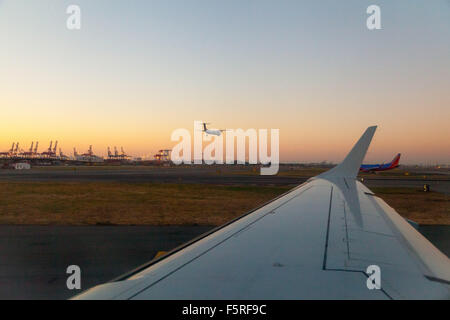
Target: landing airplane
(381,167)
(329,238)
(211,131)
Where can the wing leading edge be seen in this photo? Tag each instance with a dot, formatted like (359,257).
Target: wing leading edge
(314,242)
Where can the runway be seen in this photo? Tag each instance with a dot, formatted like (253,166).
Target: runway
(175,175)
(442,186)
(34,258)
(204,175)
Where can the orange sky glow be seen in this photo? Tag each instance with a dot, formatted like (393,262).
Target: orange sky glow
(129,79)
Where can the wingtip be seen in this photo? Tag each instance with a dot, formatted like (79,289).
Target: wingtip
(352,162)
(372,128)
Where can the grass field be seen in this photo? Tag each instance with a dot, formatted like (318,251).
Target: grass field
(71,203)
(104,203)
(421,207)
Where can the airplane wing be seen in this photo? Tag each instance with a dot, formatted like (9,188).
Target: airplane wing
(317,241)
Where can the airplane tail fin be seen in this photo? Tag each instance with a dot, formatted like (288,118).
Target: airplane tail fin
(395,161)
(349,168)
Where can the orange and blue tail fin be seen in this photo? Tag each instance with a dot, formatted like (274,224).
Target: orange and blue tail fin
(395,161)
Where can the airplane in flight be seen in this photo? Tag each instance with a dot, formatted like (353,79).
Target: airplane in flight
(328,238)
(381,167)
(214,132)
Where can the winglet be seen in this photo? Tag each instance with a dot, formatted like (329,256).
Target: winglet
(349,168)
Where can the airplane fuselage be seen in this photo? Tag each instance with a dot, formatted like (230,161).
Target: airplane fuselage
(213,132)
(381,167)
(377,167)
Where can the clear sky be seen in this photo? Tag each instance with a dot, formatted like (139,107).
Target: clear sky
(137,70)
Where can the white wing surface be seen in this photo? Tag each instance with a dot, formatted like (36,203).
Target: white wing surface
(314,242)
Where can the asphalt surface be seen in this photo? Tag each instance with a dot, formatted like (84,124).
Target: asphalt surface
(442,186)
(174,175)
(439,236)
(34,259)
(197,175)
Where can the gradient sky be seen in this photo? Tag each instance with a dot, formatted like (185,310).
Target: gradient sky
(137,70)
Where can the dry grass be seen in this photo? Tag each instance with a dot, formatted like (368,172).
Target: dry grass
(104,203)
(127,204)
(421,207)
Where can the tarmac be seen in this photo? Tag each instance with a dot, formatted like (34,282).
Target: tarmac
(197,175)
(34,259)
(157,175)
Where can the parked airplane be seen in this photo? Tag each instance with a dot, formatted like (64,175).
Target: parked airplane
(214,132)
(381,167)
(329,238)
